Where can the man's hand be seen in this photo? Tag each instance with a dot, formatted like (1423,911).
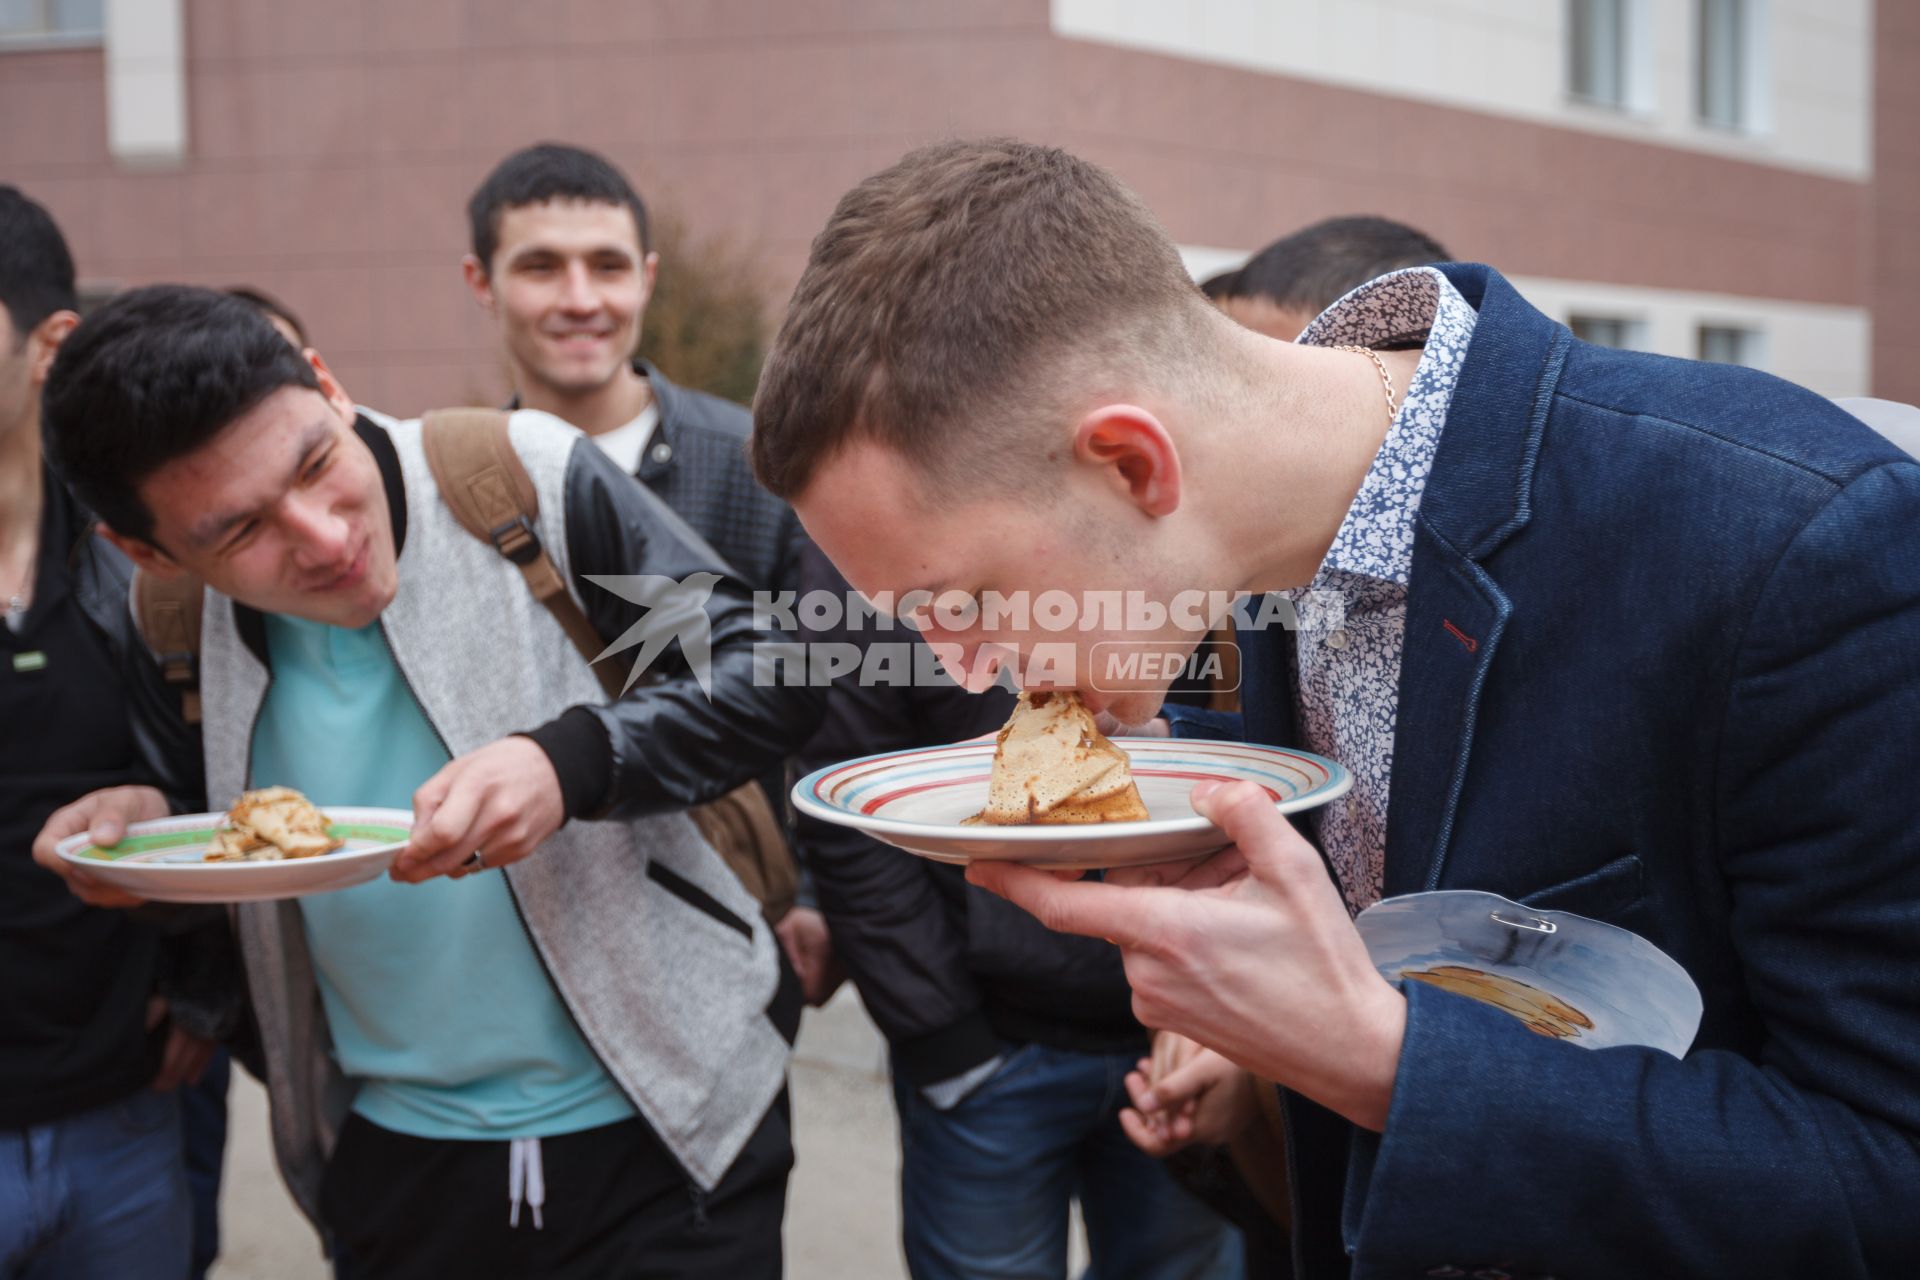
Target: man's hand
(104,815)
(803,936)
(1251,952)
(186,1056)
(1187,1094)
(501,801)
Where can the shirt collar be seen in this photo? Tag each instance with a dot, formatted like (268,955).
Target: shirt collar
(1375,539)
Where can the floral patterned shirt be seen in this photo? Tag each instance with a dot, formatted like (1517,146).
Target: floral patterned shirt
(1347,673)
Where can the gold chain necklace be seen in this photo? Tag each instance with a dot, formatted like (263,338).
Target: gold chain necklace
(1386,379)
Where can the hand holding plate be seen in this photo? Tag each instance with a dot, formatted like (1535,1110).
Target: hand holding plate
(104,815)
(1265,967)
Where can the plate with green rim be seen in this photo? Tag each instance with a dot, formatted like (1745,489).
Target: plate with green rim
(165,859)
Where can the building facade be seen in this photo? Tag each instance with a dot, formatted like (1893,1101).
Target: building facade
(1728,179)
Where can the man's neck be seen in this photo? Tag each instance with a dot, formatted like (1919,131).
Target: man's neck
(1313,421)
(21,499)
(596,412)
(20,495)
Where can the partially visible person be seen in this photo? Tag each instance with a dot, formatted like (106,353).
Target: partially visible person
(1283,287)
(553,1041)
(278,314)
(97,1034)
(562,261)
(1009,1045)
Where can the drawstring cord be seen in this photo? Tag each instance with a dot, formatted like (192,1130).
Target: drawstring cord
(526,1180)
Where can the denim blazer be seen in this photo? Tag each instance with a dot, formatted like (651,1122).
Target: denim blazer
(1662,668)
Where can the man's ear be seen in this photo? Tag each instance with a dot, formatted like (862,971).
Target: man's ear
(47,337)
(330,386)
(144,554)
(478,281)
(1134,453)
(649,273)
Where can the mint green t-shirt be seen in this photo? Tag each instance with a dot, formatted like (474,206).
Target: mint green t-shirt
(439,1007)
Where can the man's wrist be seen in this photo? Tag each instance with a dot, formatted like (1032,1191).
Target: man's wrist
(1363,1091)
(581,754)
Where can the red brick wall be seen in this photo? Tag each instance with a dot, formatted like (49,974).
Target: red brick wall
(333,147)
(1893,262)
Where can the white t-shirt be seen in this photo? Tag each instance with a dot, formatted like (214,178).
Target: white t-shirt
(626,443)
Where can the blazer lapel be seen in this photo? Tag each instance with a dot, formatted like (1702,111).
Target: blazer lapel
(1479,495)
(1455,616)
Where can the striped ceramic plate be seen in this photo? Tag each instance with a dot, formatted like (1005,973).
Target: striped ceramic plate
(163,859)
(917,799)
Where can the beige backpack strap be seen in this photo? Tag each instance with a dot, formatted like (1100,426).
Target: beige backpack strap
(487,488)
(490,493)
(167,612)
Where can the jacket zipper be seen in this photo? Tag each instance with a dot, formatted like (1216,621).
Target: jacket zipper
(512,896)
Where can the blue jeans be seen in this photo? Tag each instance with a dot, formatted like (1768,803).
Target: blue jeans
(97,1196)
(203,1115)
(985,1188)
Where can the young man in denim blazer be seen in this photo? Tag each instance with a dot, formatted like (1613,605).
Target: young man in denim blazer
(1627,636)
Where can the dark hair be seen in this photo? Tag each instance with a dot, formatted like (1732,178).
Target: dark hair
(1219,285)
(151,376)
(945,290)
(36,271)
(271,307)
(1310,269)
(543,172)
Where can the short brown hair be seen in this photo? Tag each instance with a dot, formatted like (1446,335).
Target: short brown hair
(945,285)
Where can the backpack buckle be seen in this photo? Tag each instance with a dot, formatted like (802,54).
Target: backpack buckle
(516,540)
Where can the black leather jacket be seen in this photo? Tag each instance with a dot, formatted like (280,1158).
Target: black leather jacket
(697,463)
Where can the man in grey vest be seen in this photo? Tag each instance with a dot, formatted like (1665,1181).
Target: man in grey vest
(560,1000)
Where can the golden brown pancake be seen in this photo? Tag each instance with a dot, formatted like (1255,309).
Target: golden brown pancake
(271,824)
(1052,765)
(1541,1012)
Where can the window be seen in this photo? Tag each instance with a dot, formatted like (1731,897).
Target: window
(1728,344)
(1606,331)
(33,18)
(1599,37)
(1729,68)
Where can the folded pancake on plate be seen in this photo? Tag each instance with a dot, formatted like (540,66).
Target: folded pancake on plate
(271,824)
(1542,1013)
(1051,764)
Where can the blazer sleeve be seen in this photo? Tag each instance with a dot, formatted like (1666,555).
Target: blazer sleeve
(1507,1149)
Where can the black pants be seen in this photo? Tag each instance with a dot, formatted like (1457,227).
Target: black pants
(617,1205)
